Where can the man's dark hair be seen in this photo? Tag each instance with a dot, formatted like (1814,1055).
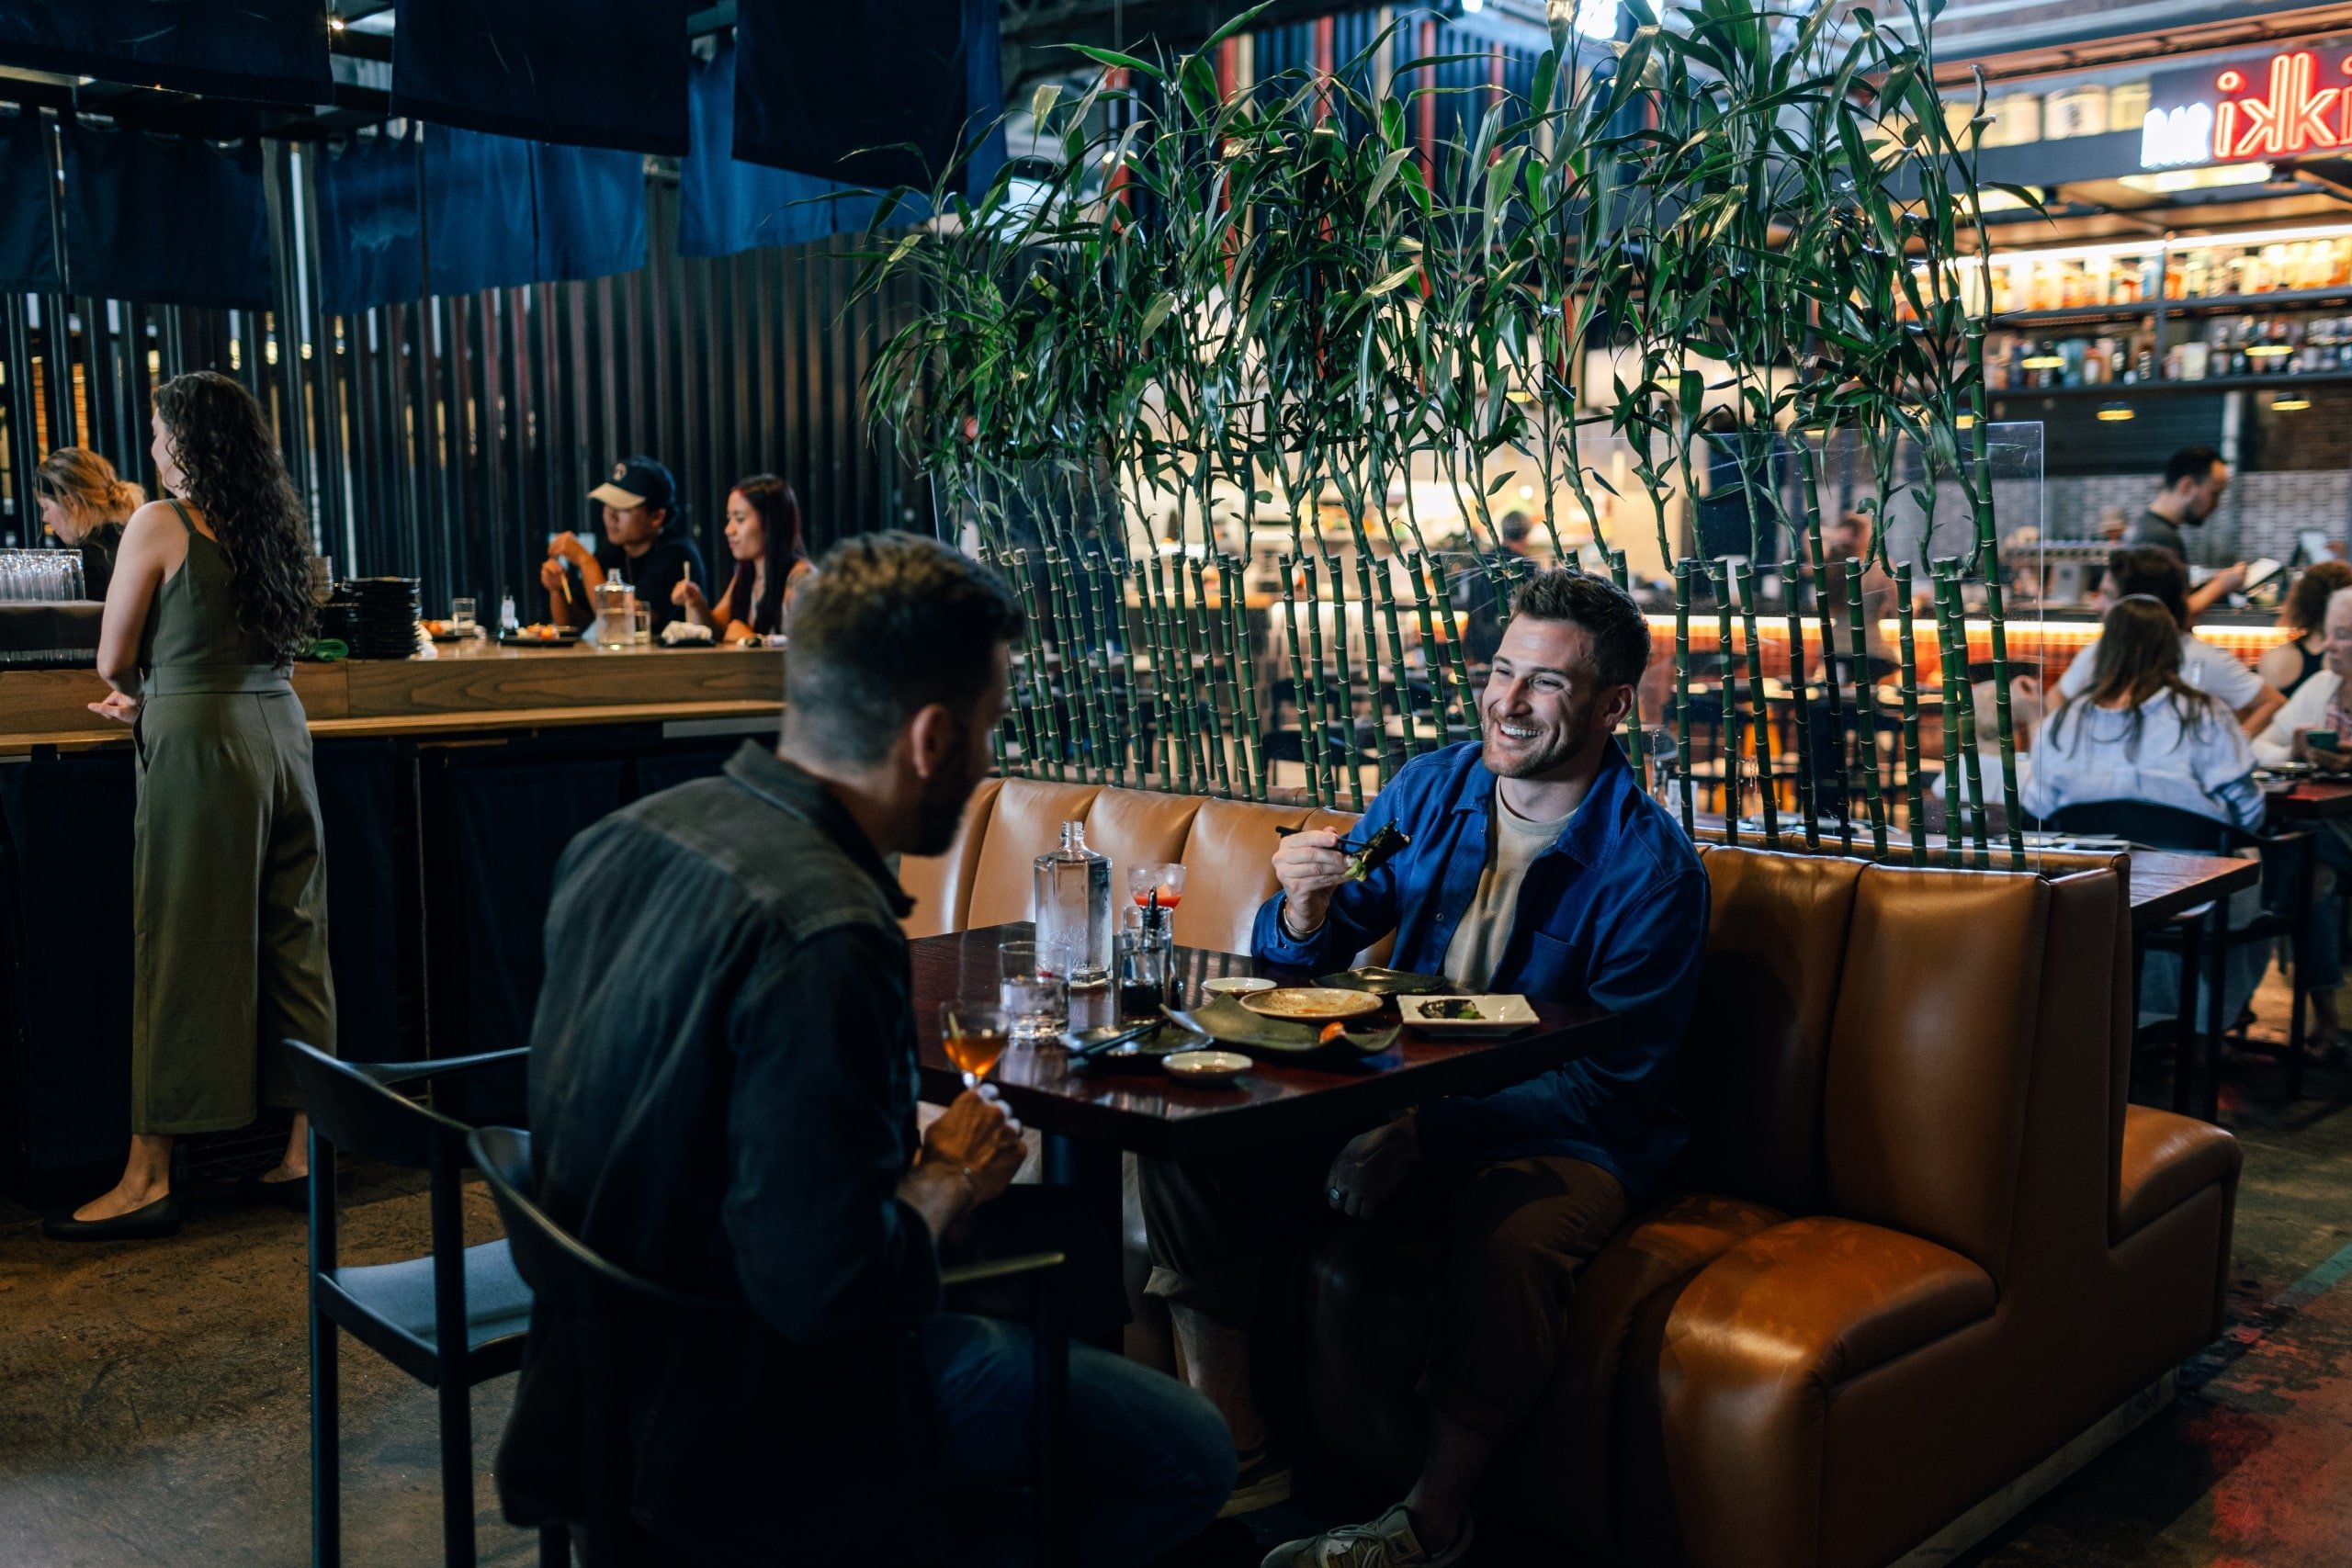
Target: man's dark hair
(2191,463)
(2154,571)
(890,624)
(1621,637)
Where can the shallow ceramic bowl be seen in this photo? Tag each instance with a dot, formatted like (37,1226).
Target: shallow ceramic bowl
(1236,985)
(1311,1004)
(1207,1067)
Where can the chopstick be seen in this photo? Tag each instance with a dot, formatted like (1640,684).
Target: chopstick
(1343,845)
(1112,1042)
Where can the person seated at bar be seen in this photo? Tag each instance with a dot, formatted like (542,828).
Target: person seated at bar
(2296,661)
(84,503)
(2195,480)
(2148,572)
(722,1095)
(2315,726)
(645,545)
(1536,864)
(771,562)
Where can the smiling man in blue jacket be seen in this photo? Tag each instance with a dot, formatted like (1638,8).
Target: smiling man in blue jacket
(1536,865)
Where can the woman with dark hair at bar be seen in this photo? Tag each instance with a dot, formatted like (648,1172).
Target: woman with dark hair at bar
(2296,661)
(763,536)
(84,503)
(211,602)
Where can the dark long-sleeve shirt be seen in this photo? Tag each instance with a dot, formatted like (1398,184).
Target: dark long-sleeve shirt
(1615,912)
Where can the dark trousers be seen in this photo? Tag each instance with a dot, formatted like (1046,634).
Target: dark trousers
(1516,1233)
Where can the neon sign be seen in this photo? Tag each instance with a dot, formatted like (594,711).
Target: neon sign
(2289,103)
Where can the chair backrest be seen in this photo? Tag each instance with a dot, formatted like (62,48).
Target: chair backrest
(360,1115)
(2151,825)
(561,1269)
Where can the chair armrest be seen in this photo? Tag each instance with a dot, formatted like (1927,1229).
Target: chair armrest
(1002,1268)
(389,1073)
(2168,1159)
(1753,1351)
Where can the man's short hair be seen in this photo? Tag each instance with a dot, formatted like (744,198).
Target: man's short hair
(890,624)
(1621,635)
(2191,463)
(2154,571)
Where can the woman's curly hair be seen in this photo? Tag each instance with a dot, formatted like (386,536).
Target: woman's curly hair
(229,470)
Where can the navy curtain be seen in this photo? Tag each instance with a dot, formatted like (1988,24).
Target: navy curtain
(269,50)
(371,222)
(478,227)
(725,205)
(28,236)
(839,90)
(166,219)
(591,208)
(585,72)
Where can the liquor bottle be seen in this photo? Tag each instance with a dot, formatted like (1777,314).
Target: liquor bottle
(1073,909)
(506,621)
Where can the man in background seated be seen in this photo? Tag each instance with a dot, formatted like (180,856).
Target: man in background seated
(723,1081)
(2216,672)
(1536,865)
(645,545)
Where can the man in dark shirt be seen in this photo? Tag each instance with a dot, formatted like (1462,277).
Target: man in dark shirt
(2194,482)
(645,545)
(723,1083)
(1535,865)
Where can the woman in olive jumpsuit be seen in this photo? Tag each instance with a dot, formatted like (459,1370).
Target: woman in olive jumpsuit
(209,603)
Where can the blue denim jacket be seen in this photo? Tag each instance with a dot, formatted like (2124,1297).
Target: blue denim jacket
(1615,912)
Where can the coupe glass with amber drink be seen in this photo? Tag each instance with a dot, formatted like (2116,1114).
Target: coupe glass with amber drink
(973,1033)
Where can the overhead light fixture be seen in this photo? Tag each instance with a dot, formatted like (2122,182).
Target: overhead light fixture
(2267,350)
(1965,421)
(336,24)
(2219,176)
(2116,413)
(2288,404)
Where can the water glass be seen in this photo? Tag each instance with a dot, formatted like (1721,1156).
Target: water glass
(461,616)
(641,624)
(1034,997)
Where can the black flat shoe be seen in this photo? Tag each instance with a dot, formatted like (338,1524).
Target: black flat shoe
(292,1193)
(147,1222)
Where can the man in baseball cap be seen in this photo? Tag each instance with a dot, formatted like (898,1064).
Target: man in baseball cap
(644,545)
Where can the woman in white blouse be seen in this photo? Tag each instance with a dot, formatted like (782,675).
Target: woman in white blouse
(2140,732)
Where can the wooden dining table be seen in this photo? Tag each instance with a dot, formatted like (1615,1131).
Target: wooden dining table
(2309,800)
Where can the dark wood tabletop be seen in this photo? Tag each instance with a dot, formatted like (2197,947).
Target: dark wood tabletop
(2310,800)
(1145,1109)
(2164,883)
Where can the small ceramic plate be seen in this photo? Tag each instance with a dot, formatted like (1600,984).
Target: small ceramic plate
(1237,985)
(1207,1067)
(1466,1018)
(1311,1004)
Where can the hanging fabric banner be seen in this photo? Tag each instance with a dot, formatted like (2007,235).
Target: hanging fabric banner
(585,73)
(371,220)
(725,205)
(164,218)
(267,50)
(875,92)
(478,230)
(28,234)
(590,205)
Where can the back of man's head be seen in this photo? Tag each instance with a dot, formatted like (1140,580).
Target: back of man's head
(1619,634)
(890,624)
(2192,464)
(2154,571)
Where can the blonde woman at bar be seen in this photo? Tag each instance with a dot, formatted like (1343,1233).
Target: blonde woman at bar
(210,606)
(84,503)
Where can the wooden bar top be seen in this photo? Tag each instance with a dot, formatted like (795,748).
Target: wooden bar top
(467,687)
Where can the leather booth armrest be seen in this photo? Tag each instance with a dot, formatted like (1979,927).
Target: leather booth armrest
(2168,1160)
(1755,1347)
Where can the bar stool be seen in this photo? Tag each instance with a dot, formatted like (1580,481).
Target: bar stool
(451,1319)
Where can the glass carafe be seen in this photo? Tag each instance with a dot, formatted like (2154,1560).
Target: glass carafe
(1073,909)
(616,605)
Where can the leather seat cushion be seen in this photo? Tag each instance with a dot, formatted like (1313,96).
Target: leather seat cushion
(1137,826)
(941,885)
(1027,822)
(2168,1160)
(1229,872)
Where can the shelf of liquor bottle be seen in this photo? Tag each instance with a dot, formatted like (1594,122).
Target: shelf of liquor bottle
(2209,305)
(2126,390)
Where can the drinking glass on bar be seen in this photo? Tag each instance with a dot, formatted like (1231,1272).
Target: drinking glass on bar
(461,616)
(1034,995)
(972,1032)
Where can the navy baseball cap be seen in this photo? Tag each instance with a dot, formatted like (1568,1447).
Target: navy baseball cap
(637,482)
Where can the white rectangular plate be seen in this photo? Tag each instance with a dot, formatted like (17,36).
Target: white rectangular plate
(1498,1016)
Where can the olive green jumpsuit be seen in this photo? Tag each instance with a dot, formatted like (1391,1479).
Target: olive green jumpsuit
(229,883)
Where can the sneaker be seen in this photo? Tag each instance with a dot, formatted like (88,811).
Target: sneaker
(1263,1481)
(1387,1543)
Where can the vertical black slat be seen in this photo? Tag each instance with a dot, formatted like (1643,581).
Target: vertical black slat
(685,365)
(326,368)
(762,352)
(489,454)
(402,497)
(554,429)
(808,417)
(790,423)
(155,334)
(57,370)
(513,519)
(743,350)
(612,340)
(453,421)
(840,390)
(632,417)
(95,352)
(24,442)
(291,297)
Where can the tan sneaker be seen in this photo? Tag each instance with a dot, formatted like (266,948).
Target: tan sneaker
(1264,1481)
(1388,1541)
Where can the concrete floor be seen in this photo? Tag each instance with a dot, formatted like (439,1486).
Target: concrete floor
(153,1397)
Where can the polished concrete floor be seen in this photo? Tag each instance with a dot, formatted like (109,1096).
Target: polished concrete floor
(153,1397)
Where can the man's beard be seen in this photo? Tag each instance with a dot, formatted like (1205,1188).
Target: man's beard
(1547,758)
(941,808)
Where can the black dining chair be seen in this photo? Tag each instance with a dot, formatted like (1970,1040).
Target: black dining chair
(451,1319)
(2202,936)
(571,1278)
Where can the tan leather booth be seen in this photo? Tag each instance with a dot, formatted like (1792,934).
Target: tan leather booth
(1920,1243)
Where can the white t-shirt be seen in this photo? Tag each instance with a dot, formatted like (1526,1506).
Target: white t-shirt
(2216,672)
(1479,941)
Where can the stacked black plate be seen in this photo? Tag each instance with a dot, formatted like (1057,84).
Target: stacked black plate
(375,616)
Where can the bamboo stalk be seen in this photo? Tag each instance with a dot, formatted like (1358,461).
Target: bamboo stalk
(1727,701)
(2014,813)
(1802,709)
(1915,796)
(1865,710)
(1245,675)
(1162,752)
(1398,674)
(1167,686)
(1101,691)
(1954,670)
(1077,664)
(1682,687)
(1640,741)
(1372,670)
(1969,776)
(1322,751)
(1471,715)
(1432,651)
(1214,707)
(1298,684)
(1824,609)
(1023,715)
(1041,671)
(1346,696)
(1759,704)
(1111,584)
